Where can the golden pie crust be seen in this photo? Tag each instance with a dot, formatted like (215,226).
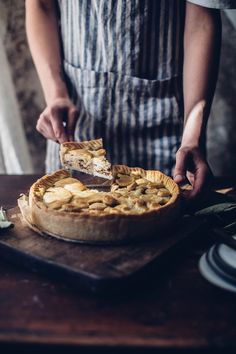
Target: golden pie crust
(140,204)
(86,156)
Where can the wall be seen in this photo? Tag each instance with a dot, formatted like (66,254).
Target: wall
(222,123)
(25,79)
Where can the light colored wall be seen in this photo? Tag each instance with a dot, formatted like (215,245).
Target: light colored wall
(25,79)
(231,14)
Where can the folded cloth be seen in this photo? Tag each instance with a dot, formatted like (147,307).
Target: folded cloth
(220,215)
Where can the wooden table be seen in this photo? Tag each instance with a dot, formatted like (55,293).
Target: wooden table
(176,310)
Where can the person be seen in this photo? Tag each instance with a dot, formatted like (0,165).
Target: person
(141,74)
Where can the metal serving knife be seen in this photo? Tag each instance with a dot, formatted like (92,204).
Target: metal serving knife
(92,182)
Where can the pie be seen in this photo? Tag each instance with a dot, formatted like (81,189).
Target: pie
(86,156)
(139,204)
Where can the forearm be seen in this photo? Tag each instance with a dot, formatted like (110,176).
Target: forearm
(202,40)
(43,38)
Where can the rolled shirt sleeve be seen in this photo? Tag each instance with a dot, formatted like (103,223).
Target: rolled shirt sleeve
(215,4)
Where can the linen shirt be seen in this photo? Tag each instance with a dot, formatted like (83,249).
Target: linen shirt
(217,4)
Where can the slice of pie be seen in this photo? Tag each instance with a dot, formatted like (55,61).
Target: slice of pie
(86,156)
(139,204)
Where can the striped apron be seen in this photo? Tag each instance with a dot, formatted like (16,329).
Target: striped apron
(123,62)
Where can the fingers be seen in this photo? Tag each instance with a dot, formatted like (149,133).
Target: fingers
(203,178)
(50,123)
(57,115)
(195,198)
(44,127)
(191,162)
(190,177)
(200,177)
(71,122)
(181,166)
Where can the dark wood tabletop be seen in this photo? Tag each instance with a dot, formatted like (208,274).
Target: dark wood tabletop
(176,310)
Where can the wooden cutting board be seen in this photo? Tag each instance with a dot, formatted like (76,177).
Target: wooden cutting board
(101,269)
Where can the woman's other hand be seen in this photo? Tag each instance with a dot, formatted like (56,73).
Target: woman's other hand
(192,164)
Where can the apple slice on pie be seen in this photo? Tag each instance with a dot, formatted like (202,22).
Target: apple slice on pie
(87,156)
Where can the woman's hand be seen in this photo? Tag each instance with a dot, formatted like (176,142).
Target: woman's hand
(57,121)
(191,164)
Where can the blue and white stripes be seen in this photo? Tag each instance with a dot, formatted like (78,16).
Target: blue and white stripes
(123,58)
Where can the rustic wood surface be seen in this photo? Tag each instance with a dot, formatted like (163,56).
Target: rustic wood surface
(97,268)
(175,310)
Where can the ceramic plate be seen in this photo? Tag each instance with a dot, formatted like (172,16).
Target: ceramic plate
(215,278)
(217,268)
(227,258)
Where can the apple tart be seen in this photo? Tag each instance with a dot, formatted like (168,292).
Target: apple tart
(139,204)
(86,156)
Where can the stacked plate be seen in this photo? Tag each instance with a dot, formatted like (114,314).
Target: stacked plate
(218,266)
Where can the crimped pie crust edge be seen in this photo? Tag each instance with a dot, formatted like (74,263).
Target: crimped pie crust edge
(86,226)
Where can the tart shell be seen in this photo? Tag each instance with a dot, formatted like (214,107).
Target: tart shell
(97,226)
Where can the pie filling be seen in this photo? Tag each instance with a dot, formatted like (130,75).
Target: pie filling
(130,194)
(86,157)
